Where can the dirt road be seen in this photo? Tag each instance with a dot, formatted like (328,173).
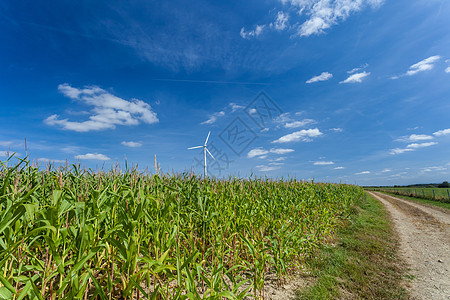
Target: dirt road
(424,244)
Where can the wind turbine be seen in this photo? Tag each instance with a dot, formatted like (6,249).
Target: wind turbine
(204,152)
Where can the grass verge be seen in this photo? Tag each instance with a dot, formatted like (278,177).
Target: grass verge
(364,264)
(420,200)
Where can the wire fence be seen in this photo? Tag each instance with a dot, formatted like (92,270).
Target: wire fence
(438,194)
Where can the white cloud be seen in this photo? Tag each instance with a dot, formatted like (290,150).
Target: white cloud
(94,156)
(278,159)
(257,152)
(338,168)
(362,173)
(262,153)
(336,129)
(108,112)
(296,124)
(386,171)
(71,149)
(433,169)
(442,132)
(419,137)
(263,168)
(424,65)
(302,135)
(415,138)
(358,69)
(357,77)
(400,151)
(49,160)
(276,164)
(281,151)
(421,145)
(322,77)
(131,144)
(252,33)
(252,111)
(322,14)
(235,107)
(323,163)
(213,118)
(447,70)
(281,21)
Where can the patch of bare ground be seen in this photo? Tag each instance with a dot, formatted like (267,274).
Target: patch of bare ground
(424,234)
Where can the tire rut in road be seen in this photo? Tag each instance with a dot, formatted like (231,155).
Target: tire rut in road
(424,244)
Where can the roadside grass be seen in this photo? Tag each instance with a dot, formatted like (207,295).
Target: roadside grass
(364,263)
(420,200)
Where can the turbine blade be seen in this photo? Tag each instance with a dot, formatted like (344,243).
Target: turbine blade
(206,142)
(196,147)
(210,153)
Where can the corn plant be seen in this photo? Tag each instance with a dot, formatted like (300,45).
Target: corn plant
(68,232)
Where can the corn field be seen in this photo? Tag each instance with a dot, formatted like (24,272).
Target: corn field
(124,234)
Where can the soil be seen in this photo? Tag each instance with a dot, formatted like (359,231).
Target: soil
(424,234)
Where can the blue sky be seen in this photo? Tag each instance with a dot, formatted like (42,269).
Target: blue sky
(350,91)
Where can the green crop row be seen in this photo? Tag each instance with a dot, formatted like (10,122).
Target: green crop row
(72,233)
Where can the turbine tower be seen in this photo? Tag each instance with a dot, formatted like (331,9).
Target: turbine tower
(205,172)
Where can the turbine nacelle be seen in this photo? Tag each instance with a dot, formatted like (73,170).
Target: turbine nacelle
(204,152)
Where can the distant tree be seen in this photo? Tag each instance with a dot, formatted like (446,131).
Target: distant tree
(445,184)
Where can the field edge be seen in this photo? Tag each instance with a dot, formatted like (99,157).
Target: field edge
(364,262)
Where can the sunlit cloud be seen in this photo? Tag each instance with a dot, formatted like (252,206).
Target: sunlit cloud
(108,112)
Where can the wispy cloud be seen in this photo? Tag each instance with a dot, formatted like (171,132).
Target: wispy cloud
(396,151)
(386,171)
(338,168)
(433,169)
(252,33)
(323,163)
(357,77)
(213,118)
(257,152)
(264,168)
(92,156)
(336,129)
(323,14)
(278,159)
(415,138)
(302,135)
(442,132)
(354,70)
(420,145)
(320,16)
(131,144)
(296,124)
(281,151)
(281,21)
(261,152)
(322,77)
(413,146)
(362,173)
(235,107)
(108,112)
(423,65)
(49,160)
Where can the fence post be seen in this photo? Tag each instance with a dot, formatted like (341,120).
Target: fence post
(423,193)
(448,195)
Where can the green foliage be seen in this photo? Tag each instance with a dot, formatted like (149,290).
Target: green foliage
(72,233)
